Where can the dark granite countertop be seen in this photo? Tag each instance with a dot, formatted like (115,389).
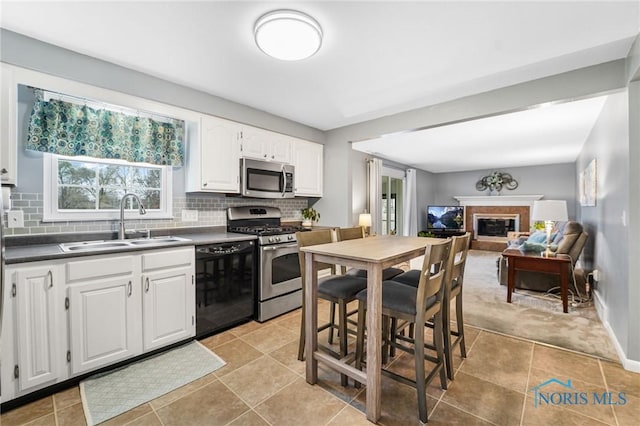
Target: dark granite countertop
(45,247)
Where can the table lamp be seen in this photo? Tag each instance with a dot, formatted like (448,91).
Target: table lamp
(549,211)
(365,220)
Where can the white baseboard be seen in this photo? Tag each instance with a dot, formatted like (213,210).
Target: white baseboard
(603,313)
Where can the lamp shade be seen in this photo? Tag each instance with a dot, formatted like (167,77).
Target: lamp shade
(364,219)
(552,210)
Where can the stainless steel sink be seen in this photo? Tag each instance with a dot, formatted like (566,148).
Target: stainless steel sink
(106,245)
(93,245)
(157,240)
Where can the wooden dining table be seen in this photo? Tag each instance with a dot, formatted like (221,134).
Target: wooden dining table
(372,254)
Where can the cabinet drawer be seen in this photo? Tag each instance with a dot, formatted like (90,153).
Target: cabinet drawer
(100,267)
(168,258)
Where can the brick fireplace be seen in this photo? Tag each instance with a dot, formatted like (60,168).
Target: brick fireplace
(496,206)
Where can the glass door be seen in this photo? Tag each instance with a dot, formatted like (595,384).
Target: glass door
(392,201)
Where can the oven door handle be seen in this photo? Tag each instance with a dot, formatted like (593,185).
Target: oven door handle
(278,247)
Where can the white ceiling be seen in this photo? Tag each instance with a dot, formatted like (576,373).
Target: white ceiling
(377,58)
(551,134)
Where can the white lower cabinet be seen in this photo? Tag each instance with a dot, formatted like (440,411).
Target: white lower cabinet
(168,302)
(104,323)
(104,310)
(38,331)
(67,317)
(33,335)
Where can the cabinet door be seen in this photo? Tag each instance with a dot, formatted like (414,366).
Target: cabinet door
(280,148)
(8,105)
(168,306)
(104,318)
(255,143)
(37,325)
(307,159)
(220,155)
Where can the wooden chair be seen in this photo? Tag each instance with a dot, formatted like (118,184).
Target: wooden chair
(337,289)
(415,305)
(453,290)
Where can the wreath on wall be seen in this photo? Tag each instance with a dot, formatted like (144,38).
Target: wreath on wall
(496,181)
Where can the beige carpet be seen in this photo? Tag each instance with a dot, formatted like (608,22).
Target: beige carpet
(532,315)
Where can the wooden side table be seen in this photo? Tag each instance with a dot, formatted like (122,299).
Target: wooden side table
(560,265)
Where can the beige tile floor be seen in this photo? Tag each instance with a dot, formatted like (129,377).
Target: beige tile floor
(263,384)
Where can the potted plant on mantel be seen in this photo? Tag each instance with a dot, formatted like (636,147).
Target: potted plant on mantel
(309,215)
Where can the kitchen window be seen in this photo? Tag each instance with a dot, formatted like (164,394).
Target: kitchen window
(85,188)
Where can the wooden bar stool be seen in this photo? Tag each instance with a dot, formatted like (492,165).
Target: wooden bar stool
(337,289)
(453,290)
(415,305)
(353,233)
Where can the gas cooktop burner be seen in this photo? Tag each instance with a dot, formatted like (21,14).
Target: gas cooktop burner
(266,230)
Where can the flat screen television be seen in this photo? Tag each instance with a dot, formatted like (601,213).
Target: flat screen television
(446,218)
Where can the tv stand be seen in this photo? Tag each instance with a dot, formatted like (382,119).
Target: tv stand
(444,233)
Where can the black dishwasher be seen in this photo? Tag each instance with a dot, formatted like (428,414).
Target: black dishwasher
(225,285)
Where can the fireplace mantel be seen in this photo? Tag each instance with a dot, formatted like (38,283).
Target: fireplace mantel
(497,200)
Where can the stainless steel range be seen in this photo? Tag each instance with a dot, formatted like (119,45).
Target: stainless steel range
(279,283)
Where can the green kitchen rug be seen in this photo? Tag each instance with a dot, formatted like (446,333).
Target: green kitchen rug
(107,395)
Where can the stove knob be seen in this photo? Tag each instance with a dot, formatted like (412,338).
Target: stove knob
(278,239)
(271,239)
(290,237)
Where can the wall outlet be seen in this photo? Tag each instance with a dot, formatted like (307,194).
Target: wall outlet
(189,215)
(15,219)
(596,275)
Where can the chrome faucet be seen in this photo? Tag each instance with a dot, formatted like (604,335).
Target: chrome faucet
(141,210)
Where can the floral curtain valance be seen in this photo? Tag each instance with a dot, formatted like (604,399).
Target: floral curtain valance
(66,128)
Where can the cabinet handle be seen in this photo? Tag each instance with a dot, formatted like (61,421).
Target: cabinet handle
(204,184)
(130,288)
(50,275)
(4,171)
(146,286)
(265,156)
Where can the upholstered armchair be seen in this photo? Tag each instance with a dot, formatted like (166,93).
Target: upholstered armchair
(570,238)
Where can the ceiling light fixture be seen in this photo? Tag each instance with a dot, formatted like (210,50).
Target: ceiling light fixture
(288,35)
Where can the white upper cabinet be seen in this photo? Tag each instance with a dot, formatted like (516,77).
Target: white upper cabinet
(8,105)
(265,145)
(308,162)
(213,164)
(280,148)
(253,143)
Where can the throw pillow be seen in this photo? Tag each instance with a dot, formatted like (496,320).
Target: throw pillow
(538,247)
(557,237)
(537,237)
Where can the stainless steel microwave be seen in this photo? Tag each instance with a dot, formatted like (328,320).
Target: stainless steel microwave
(266,179)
